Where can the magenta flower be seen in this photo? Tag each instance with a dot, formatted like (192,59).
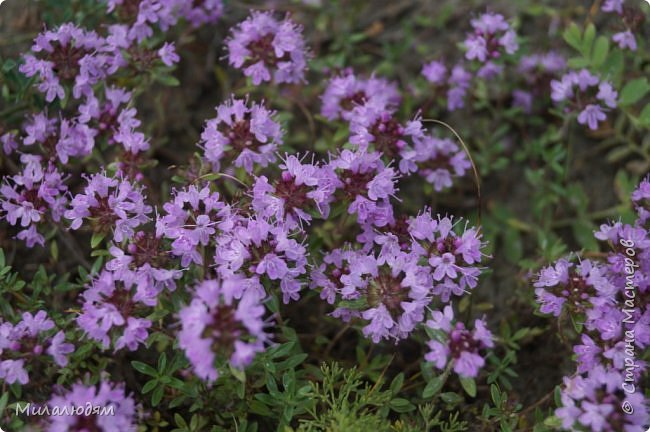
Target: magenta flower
(255,248)
(191,219)
(106,399)
(625,39)
(346,92)
(457,344)
(264,48)
(301,188)
(113,306)
(491,38)
(221,324)
(68,54)
(111,204)
(24,345)
(243,135)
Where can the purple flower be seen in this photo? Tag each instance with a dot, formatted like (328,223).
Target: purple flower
(107,398)
(200,12)
(110,204)
(607,94)
(111,305)
(241,135)
(476,48)
(302,187)
(215,318)
(346,92)
(191,219)
(457,344)
(592,115)
(613,6)
(13,371)
(27,197)
(492,36)
(435,72)
(593,401)
(59,350)
(625,39)
(263,46)
(255,247)
(452,258)
(586,99)
(358,172)
(69,55)
(523,100)
(435,159)
(168,54)
(395,290)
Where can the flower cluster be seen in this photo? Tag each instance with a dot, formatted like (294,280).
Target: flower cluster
(302,188)
(253,248)
(69,54)
(346,92)
(264,47)
(111,409)
(113,306)
(191,218)
(400,271)
(492,37)
(457,346)
(27,198)
(111,204)
(366,185)
(455,82)
(223,322)
(141,15)
(22,345)
(631,19)
(435,159)
(594,402)
(537,70)
(609,299)
(243,136)
(585,93)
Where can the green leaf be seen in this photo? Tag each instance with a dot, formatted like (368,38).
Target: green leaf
(644,117)
(613,65)
(572,36)
(162,362)
(168,80)
(396,384)
(469,385)
(433,387)
(401,405)
(557,396)
(97,239)
(513,246)
(180,421)
(588,40)
(451,398)
(496,395)
(144,368)
(578,62)
(634,91)
(156,396)
(150,385)
(583,231)
(601,49)
(239,374)
(54,250)
(3,402)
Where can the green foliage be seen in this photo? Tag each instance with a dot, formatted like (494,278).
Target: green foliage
(343,402)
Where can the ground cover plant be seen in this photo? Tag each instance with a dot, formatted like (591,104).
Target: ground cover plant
(324,215)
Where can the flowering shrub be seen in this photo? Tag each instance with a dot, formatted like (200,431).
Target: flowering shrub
(372,232)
